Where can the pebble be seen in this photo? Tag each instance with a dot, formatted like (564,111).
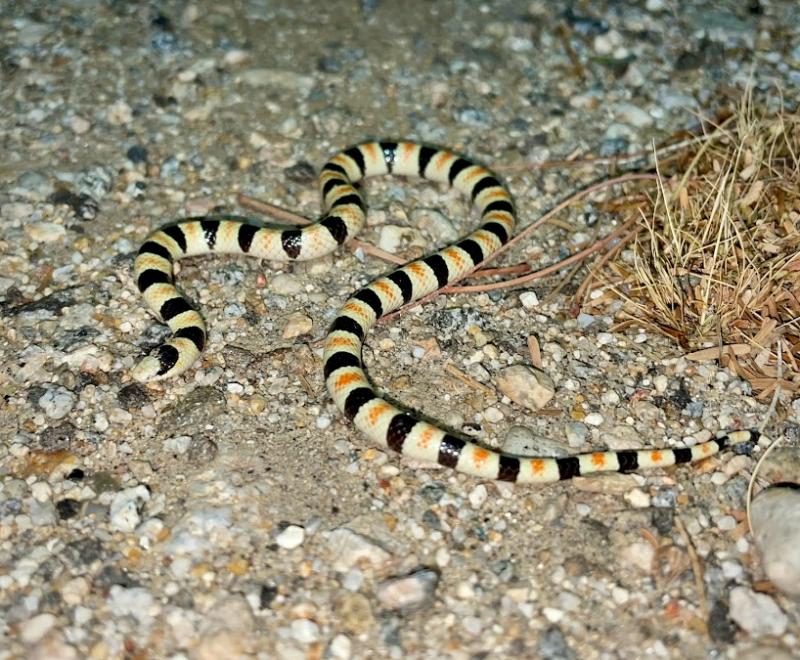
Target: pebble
(622,437)
(353,579)
(392,237)
(35,628)
(45,232)
(41,491)
(340,647)
(637,498)
(529,299)
(552,645)
(410,592)
(124,510)
(277,78)
(305,631)
(74,591)
(633,115)
(640,555)
(610,398)
(594,419)
(756,613)
(776,527)
(553,614)
(226,632)
(53,647)
(136,602)
(43,513)
(291,537)
(435,224)
(119,113)
(296,324)
(577,433)
(493,414)
(16,210)
(477,496)
(57,402)
(350,548)
(178,444)
(726,523)
(286,284)
(527,386)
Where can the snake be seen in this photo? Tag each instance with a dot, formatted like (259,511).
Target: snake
(344,214)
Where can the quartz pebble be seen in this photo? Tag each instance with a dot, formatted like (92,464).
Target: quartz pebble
(286,284)
(45,232)
(296,324)
(340,647)
(124,510)
(305,631)
(477,496)
(409,592)
(57,402)
(35,628)
(529,299)
(756,613)
(291,537)
(528,386)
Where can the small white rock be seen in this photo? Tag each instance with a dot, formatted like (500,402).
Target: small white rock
(493,414)
(527,386)
(552,614)
(529,299)
(633,115)
(637,498)
(119,113)
(340,647)
(296,324)
(408,592)
(57,402)
(123,512)
(478,496)
(305,631)
(286,284)
(756,613)
(178,445)
(620,595)
(79,125)
(35,628)
(41,491)
(594,419)
(45,232)
(291,537)
(74,591)
(640,555)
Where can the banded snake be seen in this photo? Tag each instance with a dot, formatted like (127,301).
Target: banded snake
(344,215)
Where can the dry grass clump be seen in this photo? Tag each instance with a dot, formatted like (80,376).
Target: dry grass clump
(715,264)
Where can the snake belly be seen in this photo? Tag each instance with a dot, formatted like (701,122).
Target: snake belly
(344,215)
